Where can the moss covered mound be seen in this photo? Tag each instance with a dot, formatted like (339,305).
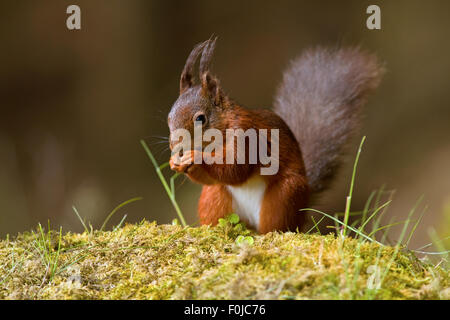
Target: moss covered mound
(150,261)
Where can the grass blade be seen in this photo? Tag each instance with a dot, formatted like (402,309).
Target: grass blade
(116,209)
(81,220)
(341,223)
(315,226)
(350,194)
(164,182)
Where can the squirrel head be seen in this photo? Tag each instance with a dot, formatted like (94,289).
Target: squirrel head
(202,102)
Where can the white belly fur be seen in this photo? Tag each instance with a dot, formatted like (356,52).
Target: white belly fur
(247,199)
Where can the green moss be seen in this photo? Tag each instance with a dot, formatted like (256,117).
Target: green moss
(149,261)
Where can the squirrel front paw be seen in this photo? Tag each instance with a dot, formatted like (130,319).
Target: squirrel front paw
(183,163)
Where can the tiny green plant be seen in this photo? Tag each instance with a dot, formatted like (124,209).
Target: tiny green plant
(244,240)
(48,252)
(232,219)
(234,228)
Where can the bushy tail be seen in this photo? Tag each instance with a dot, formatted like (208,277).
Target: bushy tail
(320,99)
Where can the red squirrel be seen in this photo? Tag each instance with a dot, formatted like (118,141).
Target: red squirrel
(316,109)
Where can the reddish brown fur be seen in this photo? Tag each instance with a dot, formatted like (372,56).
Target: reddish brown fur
(286,192)
(214,203)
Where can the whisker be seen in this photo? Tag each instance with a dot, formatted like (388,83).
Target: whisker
(182,182)
(163,150)
(163,138)
(157,143)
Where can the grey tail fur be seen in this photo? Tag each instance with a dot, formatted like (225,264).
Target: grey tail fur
(320,98)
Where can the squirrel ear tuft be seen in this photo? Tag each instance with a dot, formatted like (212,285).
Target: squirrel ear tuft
(210,84)
(211,88)
(186,80)
(207,54)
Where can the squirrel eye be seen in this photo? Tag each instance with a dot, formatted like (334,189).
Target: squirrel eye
(201,118)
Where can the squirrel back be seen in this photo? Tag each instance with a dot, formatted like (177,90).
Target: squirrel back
(320,99)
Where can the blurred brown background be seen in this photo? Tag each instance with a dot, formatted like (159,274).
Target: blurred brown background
(74,104)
